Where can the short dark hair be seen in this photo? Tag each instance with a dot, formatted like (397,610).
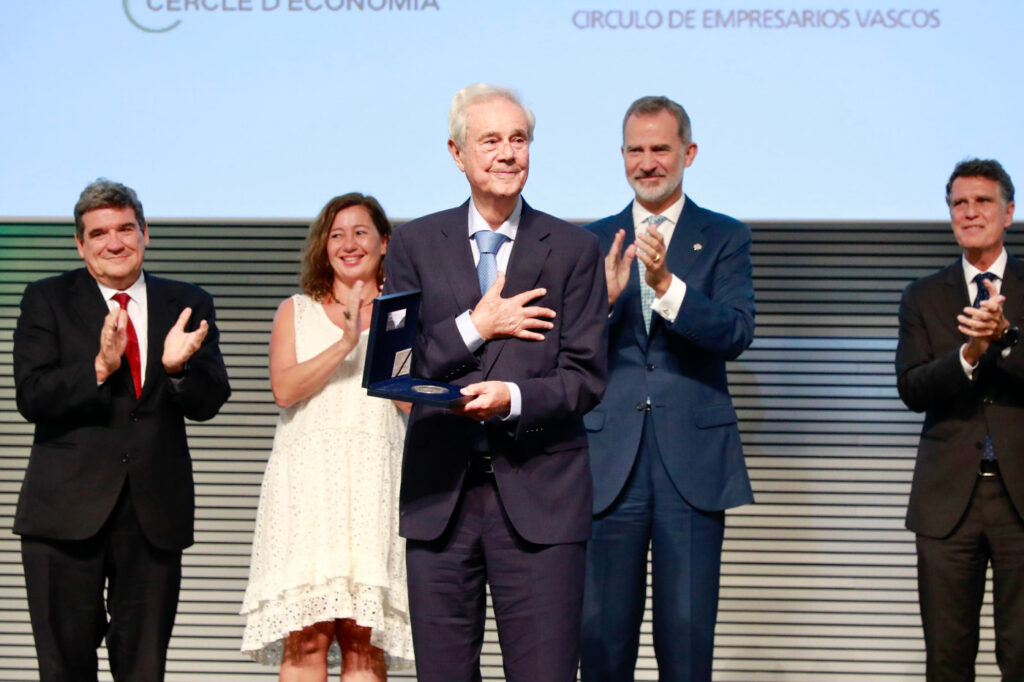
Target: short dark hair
(652,104)
(103,193)
(982,168)
(317,278)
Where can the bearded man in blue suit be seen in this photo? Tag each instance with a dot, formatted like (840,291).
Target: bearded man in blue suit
(664,444)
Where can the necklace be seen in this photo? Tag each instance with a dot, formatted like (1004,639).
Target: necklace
(344,309)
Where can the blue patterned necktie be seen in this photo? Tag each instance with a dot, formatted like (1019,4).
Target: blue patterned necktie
(488,242)
(988,452)
(646,292)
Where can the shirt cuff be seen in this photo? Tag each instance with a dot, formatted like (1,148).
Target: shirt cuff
(515,408)
(968,369)
(470,336)
(668,305)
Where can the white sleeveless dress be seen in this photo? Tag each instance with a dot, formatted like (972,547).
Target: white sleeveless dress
(326,543)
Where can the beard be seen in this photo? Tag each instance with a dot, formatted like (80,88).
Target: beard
(656,193)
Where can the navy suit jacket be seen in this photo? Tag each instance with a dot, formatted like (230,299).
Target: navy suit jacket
(958,411)
(680,366)
(540,460)
(90,439)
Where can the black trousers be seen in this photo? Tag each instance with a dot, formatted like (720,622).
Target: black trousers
(65,580)
(951,587)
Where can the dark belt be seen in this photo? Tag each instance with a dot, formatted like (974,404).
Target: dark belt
(480,464)
(988,468)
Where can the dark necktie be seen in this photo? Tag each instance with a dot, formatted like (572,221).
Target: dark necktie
(488,242)
(988,452)
(982,294)
(131,351)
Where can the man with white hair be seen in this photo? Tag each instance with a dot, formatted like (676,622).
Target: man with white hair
(498,491)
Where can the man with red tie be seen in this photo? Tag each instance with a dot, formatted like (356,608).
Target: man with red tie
(108,363)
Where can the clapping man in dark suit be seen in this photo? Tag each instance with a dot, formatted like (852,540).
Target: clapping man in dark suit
(664,444)
(957,362)
(108,363)
(498,491)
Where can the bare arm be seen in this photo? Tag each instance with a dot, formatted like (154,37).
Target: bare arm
(293,381)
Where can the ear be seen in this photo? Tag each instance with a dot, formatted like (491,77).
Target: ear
(145,234)
(691,154)
(1008,218)
(384,244)
(456,153)
(81,246)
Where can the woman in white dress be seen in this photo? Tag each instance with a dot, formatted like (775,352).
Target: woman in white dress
(327,578)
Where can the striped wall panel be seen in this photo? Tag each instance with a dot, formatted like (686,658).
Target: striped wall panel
(818,578)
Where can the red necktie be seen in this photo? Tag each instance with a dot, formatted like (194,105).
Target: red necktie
(131,350)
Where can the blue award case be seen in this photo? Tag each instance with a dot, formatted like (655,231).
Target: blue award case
(389,352)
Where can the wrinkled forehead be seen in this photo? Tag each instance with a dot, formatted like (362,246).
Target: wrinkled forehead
(496,114)
(976,186)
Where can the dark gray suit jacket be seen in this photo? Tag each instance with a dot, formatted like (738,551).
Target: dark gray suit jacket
(540,460)
(958,411)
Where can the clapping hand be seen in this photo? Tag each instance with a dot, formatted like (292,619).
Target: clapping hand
(616,266)
(180,345)
(113,340)
(982,325)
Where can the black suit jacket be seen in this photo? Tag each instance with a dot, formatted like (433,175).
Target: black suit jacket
(540,460)
(90,439)
(958,411)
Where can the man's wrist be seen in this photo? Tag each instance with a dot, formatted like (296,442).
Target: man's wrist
(103,371)
(177,373)
(1008,337)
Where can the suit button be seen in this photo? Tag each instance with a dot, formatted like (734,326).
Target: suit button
(134,417)
(639,407)
(650,368)
(987,401)
(124,458)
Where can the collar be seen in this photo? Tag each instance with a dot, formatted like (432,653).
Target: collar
(672,213)
(998,268)
(509,228)
(137,291)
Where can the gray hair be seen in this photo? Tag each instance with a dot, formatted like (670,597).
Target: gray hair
(481,92)
(653,104)
(103,193)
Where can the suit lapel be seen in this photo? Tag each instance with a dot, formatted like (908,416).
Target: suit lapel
(687,244)
(163,311)
(529,253)
(452,240)
(1013,290)
(956,296)
(88,306)
(629,301)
